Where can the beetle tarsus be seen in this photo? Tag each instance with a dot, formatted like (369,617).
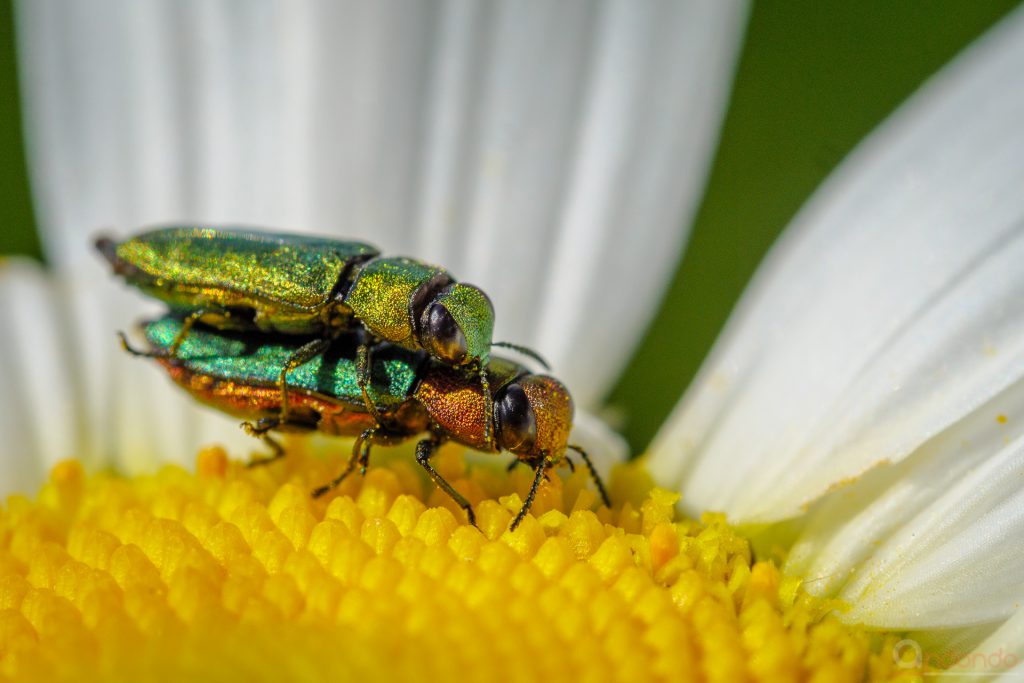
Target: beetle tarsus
(541,473)
(360,456)
(259,431)
(364,451)
(424,450)
(126,345)
(260,462)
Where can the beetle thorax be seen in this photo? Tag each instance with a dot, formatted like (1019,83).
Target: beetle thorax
(386,295)
(455,406)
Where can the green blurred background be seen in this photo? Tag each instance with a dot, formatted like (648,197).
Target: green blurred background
(814,77)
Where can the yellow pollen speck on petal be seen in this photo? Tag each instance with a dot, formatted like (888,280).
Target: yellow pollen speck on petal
(236,573)
(1001,419)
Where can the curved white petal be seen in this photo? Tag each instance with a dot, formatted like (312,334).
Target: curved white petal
(889,312)
(603,445)
(32,370)
(865,534)
(996,658)
(538,149)
(871,383)
(68,390)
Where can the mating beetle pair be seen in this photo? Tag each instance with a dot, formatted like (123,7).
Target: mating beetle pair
(316,287)
(344,296)
(237,373)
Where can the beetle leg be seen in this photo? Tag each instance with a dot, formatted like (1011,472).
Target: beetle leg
(593,474)
(424,450)
(543,465)
(259,430)
(186,327)
(488,407)
(126,345)
(363,377)
(300,356)
(172,351)
(515,463)
(359,456)
(364,457)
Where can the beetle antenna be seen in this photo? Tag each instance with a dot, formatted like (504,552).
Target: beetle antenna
(593,474)
(525,351)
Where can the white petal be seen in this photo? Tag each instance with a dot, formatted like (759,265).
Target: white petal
(957,562)
(68,390)
(889,312)
(874,374)
(997,658)
(514,142)
(31,370)
(845,531)
(603,445)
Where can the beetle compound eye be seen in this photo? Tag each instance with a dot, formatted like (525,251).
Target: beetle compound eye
(516,421)
(446,339)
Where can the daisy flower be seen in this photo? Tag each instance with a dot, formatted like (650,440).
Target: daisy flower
(848,458)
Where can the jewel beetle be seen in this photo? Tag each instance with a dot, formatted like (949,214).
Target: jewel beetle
(412,393)
(250,280)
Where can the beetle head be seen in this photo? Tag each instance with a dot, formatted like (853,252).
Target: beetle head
(533,416)
(456,327)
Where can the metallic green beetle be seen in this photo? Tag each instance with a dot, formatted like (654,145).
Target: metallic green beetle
(249,280)
(237,373)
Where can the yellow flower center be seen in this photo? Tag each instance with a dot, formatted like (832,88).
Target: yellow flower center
(236,573)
